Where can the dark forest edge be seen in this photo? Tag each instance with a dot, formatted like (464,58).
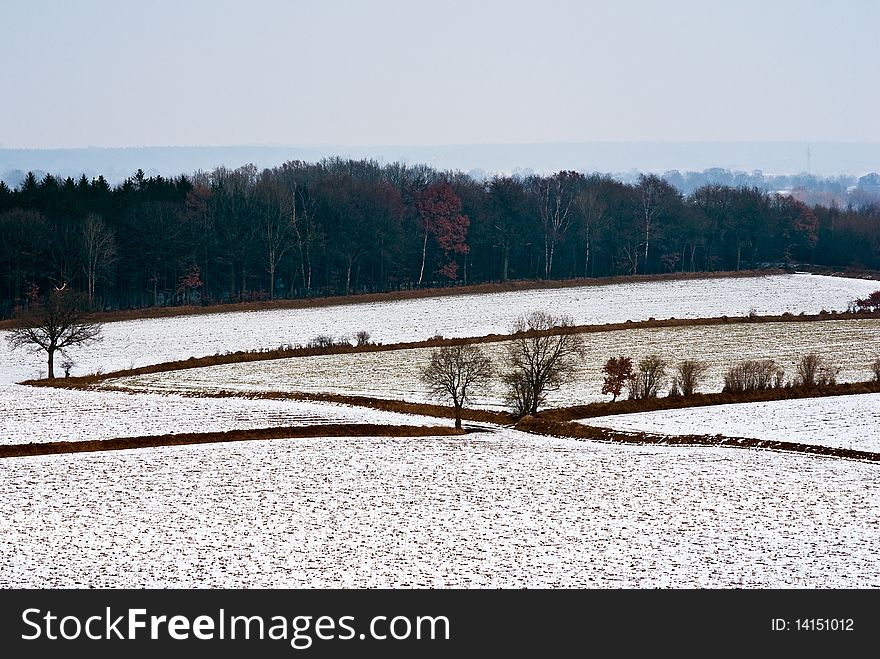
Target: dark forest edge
(294,351)
(307,230)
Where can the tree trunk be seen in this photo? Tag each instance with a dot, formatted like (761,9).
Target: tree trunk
(587,254)
(458,417)
(90,283)
(51,372)
(424,253)
(546,257)
(271,279)
(504,263)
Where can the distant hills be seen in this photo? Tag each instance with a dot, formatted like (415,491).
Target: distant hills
(826,159)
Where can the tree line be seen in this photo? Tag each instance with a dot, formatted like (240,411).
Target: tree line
(345,226)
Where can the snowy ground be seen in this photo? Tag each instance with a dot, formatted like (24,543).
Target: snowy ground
(51,415)
(851,345)
(148,341)
(500,510)
(141,342)
(848,422)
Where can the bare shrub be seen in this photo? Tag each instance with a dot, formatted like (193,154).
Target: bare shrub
(321,341)
(689,374)
(539,359)
(650,378)
(752,375)
(813,370)
(362,338)
(68,364)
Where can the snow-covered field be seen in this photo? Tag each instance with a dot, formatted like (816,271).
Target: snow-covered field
(503,509)
(490,509)
(141,342)
(51,415)
(148,341)
(849,422)
(851,345)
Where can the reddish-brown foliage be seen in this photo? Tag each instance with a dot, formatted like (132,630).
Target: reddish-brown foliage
(618,371)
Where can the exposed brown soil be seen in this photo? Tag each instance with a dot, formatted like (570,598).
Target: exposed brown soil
(544,426)
(188,439)
(303,351)
(364,298)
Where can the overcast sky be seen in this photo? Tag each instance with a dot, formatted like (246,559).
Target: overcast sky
(184,72)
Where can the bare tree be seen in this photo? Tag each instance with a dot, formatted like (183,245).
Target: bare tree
(98,252)
(277,221)
(362,338)
(875,366)
(594,211)
(556,195)
(814,371)
(541,357)
(649,379)
(689,375)
(307,234)
(453,373)
(753,374)
(58,322)
(653,194)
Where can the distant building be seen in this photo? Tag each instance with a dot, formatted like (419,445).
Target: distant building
(870,182)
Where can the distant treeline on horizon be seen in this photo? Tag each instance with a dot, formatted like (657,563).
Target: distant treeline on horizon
(342,226)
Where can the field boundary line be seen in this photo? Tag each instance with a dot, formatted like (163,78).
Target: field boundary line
(191,439)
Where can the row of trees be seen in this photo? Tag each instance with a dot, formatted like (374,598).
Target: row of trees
(653,372)
(542,356)
(342,226)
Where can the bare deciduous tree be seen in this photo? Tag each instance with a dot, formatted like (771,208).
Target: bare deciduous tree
(58,322)
(556,195)
(540,358)
(753,374)
(98,252)
(594,212)
(689,375)
(649,379)
(277,221)
(814,371)
(454,372)
(653,194)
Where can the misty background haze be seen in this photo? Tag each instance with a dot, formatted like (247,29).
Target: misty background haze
(493,85)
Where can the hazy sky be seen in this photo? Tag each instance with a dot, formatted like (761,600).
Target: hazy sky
(183,72)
